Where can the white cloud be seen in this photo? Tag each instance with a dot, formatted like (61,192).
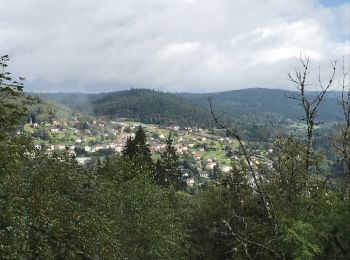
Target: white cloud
(184,45)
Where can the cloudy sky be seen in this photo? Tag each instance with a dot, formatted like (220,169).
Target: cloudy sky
(171,45)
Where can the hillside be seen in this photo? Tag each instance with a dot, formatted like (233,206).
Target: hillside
(264,105)
(148,106)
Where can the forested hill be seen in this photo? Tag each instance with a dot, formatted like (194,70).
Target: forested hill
(151,107)
(264,105)
(147,106)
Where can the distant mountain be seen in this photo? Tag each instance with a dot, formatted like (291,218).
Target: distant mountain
(150,106)
(256,105)
(263,105)
(147,106)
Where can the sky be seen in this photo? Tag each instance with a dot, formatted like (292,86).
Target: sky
(170,45)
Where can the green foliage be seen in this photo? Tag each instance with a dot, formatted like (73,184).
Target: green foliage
(42,134)
(146,219)
(138,148)
(11,110)
(229,222)
(301,239)
(45,213)
(41,111)
(147,106)
(266,106)
(168,172)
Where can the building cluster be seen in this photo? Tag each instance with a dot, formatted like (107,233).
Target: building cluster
(86,138)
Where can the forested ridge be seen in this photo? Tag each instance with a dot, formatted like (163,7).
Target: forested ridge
(266,105)
(135,207)
(149,106)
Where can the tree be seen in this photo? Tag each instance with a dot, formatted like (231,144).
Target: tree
(145,220)
(138,148)
(11,104)
(342,139)
(167,168)
(310,104)
(216,173)
(13,147)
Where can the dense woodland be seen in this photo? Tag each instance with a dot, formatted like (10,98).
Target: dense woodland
(266,105)
(132,207)
(147,106)
(261,106)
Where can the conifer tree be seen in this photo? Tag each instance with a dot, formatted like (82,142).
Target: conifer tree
(138,148)
(167,168)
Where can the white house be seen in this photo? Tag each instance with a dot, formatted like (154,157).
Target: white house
(190,182)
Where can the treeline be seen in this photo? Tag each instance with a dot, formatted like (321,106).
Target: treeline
(256,105)
(264,106)
(42,111)
(132,207)
(144,105)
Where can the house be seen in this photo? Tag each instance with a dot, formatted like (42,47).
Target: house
(211,165)
(185,149)
(226,168)
(118,149)
(55,130)
(61,147)
(204,174)
(100,147)
(178,147)
(83,160)
(196,156)
(190,182)
(174,127)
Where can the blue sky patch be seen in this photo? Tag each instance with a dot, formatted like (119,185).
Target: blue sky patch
(333,3)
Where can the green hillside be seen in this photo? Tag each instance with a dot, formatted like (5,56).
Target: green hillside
(148,106)
(264,105)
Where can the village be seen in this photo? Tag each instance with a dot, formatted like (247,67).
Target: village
(204,154)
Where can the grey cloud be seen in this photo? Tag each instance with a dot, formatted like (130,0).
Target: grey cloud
(183,45)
